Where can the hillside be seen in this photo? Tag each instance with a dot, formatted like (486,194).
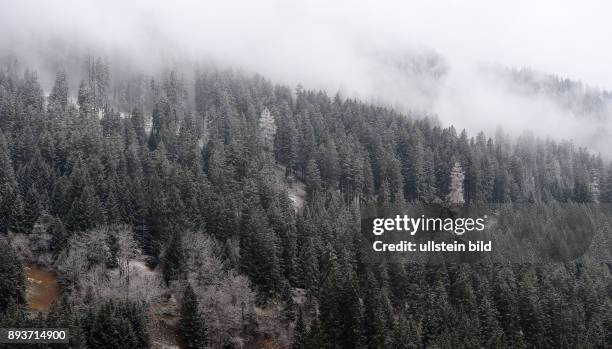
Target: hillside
(207,196)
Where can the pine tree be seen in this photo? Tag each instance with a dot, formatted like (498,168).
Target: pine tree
(285,143)
(12,281)
(84,99)
(138,123)
(406,334)
(258,253)
(529,308)
(105,330)
(8,187)
(116,325)
(312,179)
(505,298)
(438,314)
(375,330)
(314,339)
(308,265)
(455,195)
(58,98)
(59,235)
(86,211)
(287,298)
(173,261)
(192,327)
(607,187)
(16,218)
(594,187)
(32,209)
(350,316)
(267,129)
(329,296)
(300,336)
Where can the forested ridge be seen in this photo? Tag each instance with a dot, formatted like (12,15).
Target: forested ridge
(192,175)
(579,98)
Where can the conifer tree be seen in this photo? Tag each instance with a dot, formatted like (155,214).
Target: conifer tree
(138,124)
(300,335)
(350,315)
(312,179)
(259,254)
(267,129)
(86,172)
(12,281)
(192,326)
(84,99)
(315,338)
(405,334)
(607,187)
(32,209)
(58,98)
(455,195)
(375,330)
(174,260)
(8,186)
(116,325)
(86,211)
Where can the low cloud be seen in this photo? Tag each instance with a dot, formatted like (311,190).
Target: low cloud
(425,56)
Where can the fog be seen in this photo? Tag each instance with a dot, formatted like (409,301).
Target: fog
(425,55)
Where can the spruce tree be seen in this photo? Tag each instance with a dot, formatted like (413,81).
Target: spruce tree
(58,98)
(192,327)
(455,194)
(8,186)
(315,335)
(350,315)
(300,335)
(375,330)
(173,262)
(267,129)
(312,179)
(405,334)
(12,280)
(259,253)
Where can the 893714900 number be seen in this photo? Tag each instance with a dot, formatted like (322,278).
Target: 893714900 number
(34,335)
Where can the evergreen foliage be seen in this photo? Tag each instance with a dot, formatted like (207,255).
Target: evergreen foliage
(214,159)
(192,326)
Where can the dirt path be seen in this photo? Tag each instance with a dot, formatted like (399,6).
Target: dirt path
(42,289)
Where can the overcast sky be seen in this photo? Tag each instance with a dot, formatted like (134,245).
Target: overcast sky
(337,45)
(568,38)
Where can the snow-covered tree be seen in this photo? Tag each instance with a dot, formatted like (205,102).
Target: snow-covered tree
(594,187)
(267,129)
(455,193)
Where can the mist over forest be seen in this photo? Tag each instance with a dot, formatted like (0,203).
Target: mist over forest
(191,174)
(438,58)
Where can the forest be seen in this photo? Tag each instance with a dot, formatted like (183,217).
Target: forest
(217,209)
